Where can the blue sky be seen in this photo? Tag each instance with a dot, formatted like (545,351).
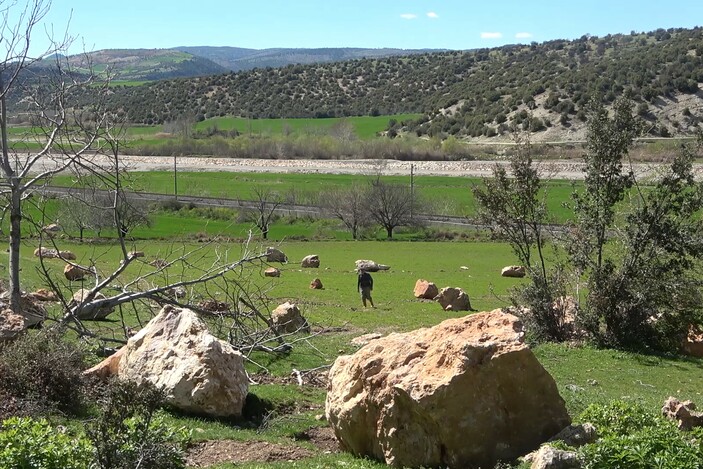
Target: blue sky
(450,24)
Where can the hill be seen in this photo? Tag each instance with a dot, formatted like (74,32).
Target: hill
(482,93)
(144,64)
(238,59)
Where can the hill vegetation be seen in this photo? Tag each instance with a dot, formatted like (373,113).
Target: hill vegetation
(543,88)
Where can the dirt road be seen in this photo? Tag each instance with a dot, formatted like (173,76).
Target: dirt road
(555,169)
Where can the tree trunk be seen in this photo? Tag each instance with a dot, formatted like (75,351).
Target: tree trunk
(389,232)
(15,241)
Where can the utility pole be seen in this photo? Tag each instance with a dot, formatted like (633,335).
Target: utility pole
(412,189)
(175,178)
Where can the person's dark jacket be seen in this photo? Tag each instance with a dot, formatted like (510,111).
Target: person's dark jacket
(365,280)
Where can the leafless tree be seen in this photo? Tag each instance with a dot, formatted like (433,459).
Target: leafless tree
(390,205)
(350,206)
(262,213)
(64,131)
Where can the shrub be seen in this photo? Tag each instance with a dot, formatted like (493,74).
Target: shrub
(27,444)
(632,437)
(129,433)
(44,370)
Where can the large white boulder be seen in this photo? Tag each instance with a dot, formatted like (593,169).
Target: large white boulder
(465,393)
(199,373)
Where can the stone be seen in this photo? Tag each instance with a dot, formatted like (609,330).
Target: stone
(43,294)
(275,255)
(454,299)
(214,306)
(548,457)
(178,292)
(136,254)
(108,368)
(159,263)
(52,230)
(365,339)
(31,309)
(515,271)
(198,372)
(370,266)
(67,255)
(286,319)
(75,272)
(464,393)
(311,261)
(693,343)
(425,290)
(11,326)
(272,272)
(683,412)
(316,284)
(46,253)
(89,313)
(577,435)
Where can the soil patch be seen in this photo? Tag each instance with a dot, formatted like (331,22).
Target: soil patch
(209,453)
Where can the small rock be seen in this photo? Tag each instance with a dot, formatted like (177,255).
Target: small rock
(365,339)
(75,272)
(311,261)
(275,255)
(316,284)
(425,290)
(548,457)
(272,272)
(515,271)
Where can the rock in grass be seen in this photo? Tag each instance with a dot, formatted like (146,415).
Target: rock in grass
(425,290)
(465,393)
(198,372)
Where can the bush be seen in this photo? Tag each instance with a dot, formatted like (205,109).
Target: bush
(28,444)
(130,434)
(44,371)
(632,437)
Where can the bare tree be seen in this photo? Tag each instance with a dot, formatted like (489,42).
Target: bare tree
(350,206)
(64,131)
(390,205)
(265,204)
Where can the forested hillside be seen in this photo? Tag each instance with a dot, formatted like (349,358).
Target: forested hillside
(478,93)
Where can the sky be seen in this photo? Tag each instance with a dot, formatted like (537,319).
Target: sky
(407,24)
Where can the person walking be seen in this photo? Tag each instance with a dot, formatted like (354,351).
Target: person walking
(365,285)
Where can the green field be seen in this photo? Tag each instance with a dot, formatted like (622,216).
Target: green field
(366,127)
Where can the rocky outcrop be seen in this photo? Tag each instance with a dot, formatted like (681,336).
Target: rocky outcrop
(693,343)
(465,393)
(272,272)
(454,299)
(198,372)
(310,262)
(275,255)
(286,319)
(11,326)
(89,313)
(75,272)
(316,284)
(515,271)
(577,435)
(33,312)
(370,266)
(425,290)
(549,457)
(683,412)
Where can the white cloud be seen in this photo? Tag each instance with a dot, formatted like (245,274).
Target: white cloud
(432,14)
(408,16)
(523,35)
(489,35)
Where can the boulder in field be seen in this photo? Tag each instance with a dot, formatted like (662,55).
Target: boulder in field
(75,272)
(693,343)
(42,294)
(465,393)
(11,326)
(454,299)
(548,457)
(272,272)
(370,266)
(46,253)
(90,312)
(275,255)
(287,319)
(683,412)
(312,261)
(67,255)
(316,284)
(52,230)
(107,368)
(425,290)
(31,309)
(198,372)
(515,271)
